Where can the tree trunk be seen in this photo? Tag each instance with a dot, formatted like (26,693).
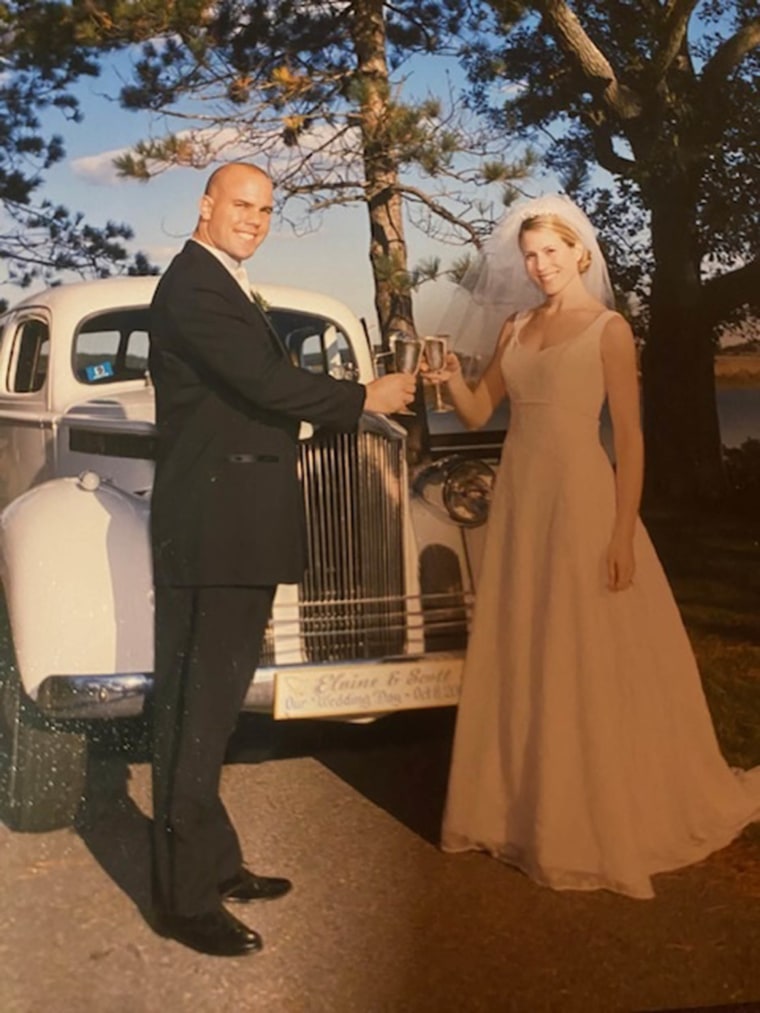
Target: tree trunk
(681,429)
(388,253)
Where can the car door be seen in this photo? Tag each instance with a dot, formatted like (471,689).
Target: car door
(26,419)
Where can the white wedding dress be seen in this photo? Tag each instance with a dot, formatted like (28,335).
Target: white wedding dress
(584,751)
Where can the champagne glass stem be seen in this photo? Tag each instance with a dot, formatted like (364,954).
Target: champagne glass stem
(436,348)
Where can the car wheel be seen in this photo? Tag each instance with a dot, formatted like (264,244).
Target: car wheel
(43,764)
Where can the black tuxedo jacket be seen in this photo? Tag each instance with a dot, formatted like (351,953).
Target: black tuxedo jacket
(226,506)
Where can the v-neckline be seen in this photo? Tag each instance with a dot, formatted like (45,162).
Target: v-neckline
(558,344)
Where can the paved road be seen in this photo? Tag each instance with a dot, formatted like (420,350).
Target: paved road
(380,921)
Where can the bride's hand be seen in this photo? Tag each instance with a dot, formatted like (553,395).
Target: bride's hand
(620,563)
(452,368)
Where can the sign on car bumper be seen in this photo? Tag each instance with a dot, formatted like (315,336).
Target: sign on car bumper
(342,690)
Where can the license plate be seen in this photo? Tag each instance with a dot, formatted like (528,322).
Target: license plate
(363,689)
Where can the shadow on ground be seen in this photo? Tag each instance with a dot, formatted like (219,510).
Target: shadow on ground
(399,762)
(110,824)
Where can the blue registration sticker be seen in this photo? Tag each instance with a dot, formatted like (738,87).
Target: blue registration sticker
(100,372)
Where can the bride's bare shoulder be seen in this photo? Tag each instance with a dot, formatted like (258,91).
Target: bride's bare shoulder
(617,337)
(617,327)
(515,321)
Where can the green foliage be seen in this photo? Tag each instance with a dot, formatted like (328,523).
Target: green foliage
(325,84)
(392,271)
(44,240)
(460,267)
(713,563)
(315,92)
(684,116)
(428,269)
(41,57)
(743,467)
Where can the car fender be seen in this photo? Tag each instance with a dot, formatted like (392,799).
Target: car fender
(76,569)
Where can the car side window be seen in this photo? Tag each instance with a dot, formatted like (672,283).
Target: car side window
(31,355)
(315,343)
(112,347)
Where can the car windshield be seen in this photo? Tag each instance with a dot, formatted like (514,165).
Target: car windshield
(314,343)
(112,347)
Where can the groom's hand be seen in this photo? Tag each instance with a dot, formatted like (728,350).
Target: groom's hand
(390,393)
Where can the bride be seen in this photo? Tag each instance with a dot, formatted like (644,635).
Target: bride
(584,753)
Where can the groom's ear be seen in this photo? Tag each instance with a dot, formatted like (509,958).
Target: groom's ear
(206,207)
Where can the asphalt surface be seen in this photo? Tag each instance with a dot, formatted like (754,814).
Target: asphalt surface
(379,920)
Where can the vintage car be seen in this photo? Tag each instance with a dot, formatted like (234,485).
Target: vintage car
(378,624)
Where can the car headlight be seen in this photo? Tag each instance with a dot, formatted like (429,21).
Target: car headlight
(457,488)
(467,492)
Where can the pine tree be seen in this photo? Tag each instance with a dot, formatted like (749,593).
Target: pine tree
(44,51)
(313,92)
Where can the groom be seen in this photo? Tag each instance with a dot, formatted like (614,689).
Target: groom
(226,528)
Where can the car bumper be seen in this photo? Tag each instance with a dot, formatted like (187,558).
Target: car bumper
(341,690)
(94,696)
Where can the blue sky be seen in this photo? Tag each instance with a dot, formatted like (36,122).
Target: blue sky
(334,259)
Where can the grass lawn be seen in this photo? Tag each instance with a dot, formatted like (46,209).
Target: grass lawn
(713,562)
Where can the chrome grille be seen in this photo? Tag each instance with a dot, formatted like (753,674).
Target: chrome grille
(352,600)
(354,603)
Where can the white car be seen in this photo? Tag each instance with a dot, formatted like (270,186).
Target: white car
(378,624)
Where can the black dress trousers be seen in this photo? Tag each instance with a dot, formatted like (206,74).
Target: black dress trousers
(208,641)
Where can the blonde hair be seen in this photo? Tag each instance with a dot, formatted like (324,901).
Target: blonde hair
(558,225)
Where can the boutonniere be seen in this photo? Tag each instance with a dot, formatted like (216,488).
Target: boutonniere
(260,300)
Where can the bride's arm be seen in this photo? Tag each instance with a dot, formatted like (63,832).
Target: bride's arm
(476,406)
(621,380)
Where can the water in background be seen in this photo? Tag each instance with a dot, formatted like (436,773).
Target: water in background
(738,410)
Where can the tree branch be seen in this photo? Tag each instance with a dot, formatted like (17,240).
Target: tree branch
(730,54)
(421,197)
(336,185)
(674,26)
(589,59)
(727,292)
(605,153)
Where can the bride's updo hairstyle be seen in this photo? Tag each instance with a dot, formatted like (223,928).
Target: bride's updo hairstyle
(566,233)
(497,284)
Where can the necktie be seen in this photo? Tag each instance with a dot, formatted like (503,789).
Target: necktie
(241,277)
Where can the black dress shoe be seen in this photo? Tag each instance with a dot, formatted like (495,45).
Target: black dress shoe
(247,886)
(217,933)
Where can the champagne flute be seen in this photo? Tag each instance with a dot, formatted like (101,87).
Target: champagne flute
(436,349)
(407,352)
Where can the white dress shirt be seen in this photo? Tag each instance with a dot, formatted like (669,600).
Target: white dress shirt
(235,267)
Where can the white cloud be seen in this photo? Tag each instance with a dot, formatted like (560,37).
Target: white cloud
(99,169)
(331,151)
